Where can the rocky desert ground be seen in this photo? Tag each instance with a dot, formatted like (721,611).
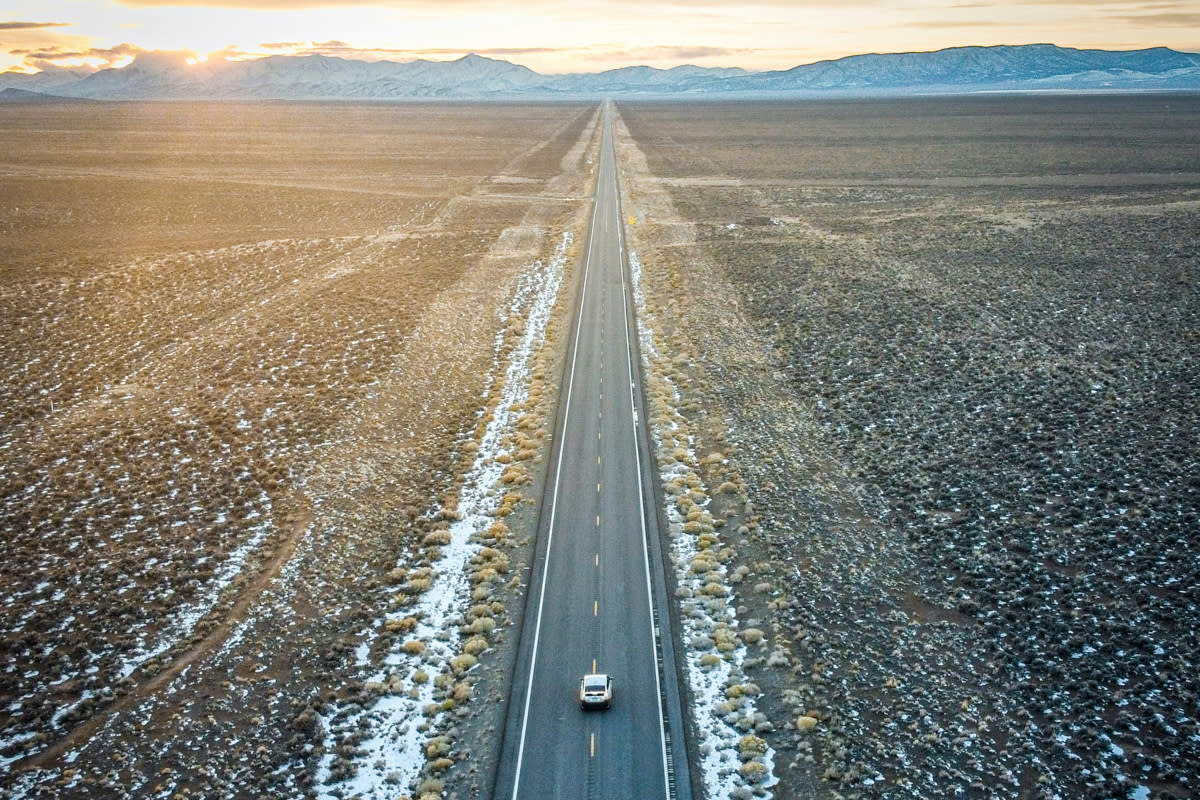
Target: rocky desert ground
(923,380)
(251,352)
(938,360)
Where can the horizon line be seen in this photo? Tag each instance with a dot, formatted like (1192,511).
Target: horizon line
(194,59)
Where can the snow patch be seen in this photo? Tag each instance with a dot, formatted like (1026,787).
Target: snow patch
(723,698)
(396,726)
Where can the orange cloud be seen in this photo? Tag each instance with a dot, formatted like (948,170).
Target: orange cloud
(92,58)
(31,26)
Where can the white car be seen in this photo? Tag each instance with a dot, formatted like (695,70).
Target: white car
(595,691)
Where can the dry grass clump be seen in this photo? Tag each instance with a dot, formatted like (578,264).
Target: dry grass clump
(704,559)
(520,445)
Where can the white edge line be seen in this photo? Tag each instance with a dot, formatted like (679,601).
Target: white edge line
(662,733)
(537,628)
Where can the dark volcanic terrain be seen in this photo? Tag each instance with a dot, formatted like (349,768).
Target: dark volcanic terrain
(951,350)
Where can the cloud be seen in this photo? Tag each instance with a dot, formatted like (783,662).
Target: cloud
(31,26)
(685,52)
(1173,12)
(94,58)
(946,24)
(662,56)
(345,49)
(1166,19)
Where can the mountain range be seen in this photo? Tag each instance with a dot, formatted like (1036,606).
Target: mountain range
(957,70)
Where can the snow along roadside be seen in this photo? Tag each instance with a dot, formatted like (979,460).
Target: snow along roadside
(736,762)
(395,737)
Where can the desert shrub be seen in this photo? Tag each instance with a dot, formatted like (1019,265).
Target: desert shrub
(752,635)
(430,789)
(751,746)
(306,722)
(400,625)
(515,475)
(726,640)
(437,746)
(485,575)
(508,504)
(753,772)
(463,662)
(436,538)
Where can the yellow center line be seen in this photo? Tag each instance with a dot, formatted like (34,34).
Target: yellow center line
(592,747)
(595,608)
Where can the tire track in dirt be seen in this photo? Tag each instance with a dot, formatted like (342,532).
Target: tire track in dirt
(246,597)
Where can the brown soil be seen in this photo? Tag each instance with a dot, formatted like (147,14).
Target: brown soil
(259,330)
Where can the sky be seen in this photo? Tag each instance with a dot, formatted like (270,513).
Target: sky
(553,36)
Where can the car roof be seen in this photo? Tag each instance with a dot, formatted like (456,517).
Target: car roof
(596,677)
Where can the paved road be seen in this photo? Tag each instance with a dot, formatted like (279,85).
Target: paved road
(590,606)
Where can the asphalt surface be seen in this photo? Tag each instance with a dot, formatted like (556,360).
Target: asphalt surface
(596,589)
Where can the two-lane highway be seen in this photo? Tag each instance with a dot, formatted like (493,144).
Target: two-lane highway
(592,602)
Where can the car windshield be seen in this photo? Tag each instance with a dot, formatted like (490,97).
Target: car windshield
(594,686)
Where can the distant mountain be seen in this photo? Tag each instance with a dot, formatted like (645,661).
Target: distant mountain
(165,76)
(11,95)
(625,80)
(46,81)
(1022,67)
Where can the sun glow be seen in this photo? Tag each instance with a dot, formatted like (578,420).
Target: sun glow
(572,35)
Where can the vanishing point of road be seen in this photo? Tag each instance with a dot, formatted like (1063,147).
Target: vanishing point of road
(596,600)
